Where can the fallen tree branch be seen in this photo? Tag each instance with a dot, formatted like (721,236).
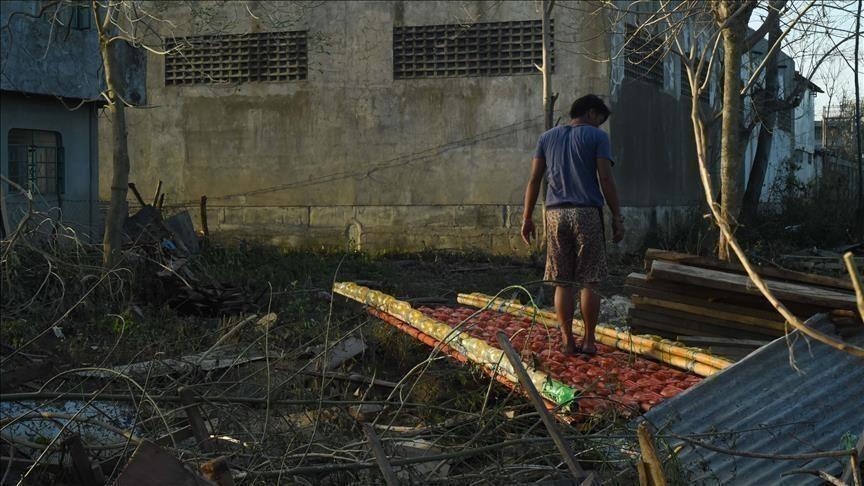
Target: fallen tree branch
(226,335)
(401,462)
(815,472)
(762,455)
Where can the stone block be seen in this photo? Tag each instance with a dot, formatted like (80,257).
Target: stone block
(330,216)
(422,216)
(480,216)
(232,216)
(296,216)
(509,243)
(263,216)
(514,215)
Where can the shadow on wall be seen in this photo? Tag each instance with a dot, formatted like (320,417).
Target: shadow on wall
(681,228)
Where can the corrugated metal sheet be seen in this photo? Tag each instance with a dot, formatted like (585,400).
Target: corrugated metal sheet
(762,404)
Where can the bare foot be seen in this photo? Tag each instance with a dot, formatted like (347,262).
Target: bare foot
(570,349)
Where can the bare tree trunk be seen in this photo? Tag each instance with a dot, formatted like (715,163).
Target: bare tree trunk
(731,146)
(548,97)
(860,211)
(701,138)
(112,242)
(765,104)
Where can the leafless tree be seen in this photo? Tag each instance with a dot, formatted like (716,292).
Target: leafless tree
(698,33)
(810,30)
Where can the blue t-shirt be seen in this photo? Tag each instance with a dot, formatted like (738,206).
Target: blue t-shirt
(571,154)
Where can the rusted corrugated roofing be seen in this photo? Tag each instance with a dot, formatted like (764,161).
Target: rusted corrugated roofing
(763,404)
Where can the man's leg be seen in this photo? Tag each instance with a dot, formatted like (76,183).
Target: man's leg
(564,310)
(590,307)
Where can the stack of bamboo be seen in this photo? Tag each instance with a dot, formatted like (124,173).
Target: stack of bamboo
(710,303)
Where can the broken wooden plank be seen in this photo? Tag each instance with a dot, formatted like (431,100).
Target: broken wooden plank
(380,456)
(775,329)
(776,324)
(671,328)
(196,421)
(690,324)
(720,341)
(540,406)
(652,254)
(23,374)
(738,283)
(637,283)
(152,465)
(80,461)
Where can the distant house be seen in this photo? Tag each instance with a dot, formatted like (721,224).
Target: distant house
(834,160)
(50,85)
(794,142)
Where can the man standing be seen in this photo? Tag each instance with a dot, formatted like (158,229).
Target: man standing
(577,162)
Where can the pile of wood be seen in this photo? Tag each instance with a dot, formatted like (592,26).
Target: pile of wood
(713,304)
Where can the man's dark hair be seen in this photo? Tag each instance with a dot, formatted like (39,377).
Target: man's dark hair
(589,102)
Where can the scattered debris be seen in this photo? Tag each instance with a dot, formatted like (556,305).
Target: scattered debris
(411,448)
(181,227)
(166,248)
(685,296)
(152,465)
(345,349)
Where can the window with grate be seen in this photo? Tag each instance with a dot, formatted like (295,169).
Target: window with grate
(643,57)
(482,49)
(237,58)
(36,160)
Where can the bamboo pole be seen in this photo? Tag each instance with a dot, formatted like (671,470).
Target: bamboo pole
(548,421)
(476,350)
(653,466)
(692,359)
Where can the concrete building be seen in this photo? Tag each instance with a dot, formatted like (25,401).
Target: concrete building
(794,138)
(395,125)
(49,130)
(50,94)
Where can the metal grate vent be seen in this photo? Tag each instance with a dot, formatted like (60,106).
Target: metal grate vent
(482,49)
(237,58)
(685,87)
(643,56)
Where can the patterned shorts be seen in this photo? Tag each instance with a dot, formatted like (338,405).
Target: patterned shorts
(576,246)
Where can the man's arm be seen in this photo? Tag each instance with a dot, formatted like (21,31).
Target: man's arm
(610,193)
(532,190)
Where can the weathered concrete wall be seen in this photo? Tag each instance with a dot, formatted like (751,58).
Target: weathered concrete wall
(53,54)
(404,164)
(76,207)
(38,57)
(656,162)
